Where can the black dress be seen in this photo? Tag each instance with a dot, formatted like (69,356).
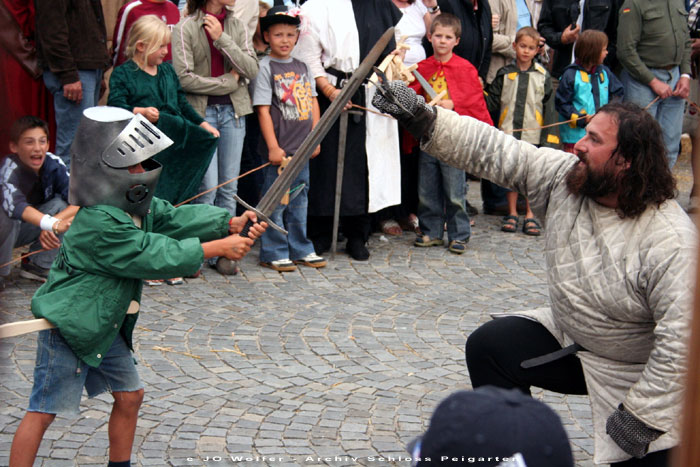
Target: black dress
(373,18)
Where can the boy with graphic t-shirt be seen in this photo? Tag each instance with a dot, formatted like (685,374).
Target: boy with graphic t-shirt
(285,101)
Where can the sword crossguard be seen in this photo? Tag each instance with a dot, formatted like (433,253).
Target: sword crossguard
(261,217)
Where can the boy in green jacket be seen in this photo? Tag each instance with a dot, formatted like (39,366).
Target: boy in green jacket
(120,236)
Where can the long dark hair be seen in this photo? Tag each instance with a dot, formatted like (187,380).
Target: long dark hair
(195,5)
(648,180)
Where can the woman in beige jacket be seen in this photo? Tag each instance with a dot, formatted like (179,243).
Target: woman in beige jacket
(214,58)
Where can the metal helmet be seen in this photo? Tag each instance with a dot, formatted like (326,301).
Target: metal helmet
(108,141)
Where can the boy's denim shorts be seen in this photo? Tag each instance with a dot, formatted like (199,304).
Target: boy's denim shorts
(59,376)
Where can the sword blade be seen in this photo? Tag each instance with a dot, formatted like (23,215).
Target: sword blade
(425,85)
(271,199)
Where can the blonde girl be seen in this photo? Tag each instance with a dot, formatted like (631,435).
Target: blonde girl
(148,86)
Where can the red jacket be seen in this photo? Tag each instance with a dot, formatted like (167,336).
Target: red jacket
(462,84)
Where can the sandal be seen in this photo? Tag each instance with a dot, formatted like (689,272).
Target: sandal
(153,282)
(409,223)
(175,281)
(391,227)
(510,224)
(531,227)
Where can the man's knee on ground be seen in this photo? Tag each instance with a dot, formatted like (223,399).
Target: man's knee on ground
(477,342)
(128,400)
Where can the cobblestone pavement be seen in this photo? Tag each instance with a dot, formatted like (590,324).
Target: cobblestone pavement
(314,367)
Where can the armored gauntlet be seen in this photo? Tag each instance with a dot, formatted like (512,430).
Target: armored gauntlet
(410,109)
(630,433)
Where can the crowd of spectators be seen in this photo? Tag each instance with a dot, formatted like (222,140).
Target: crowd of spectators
(65,53)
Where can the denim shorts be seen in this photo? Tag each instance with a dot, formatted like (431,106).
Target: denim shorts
(59,376)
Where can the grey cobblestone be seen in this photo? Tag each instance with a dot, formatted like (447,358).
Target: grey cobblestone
(349,360)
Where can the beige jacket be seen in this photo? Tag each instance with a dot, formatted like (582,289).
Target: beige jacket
(621,288)
(502,51)
(192,62)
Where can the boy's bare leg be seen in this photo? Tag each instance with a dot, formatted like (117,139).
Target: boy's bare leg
(122,424)
(528,212)
(512,198)
(28,438)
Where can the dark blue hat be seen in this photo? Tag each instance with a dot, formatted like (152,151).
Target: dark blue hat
(495,426)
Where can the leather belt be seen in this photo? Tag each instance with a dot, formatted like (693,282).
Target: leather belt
(342,76)
(550,357)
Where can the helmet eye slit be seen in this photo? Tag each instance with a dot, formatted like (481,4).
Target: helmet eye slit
(135,140)
(150,130)
(143,135)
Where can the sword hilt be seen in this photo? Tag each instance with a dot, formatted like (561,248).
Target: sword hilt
(261,217)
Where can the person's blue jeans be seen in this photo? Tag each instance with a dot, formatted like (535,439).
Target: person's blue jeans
(292,217)
(15,233)
(441,191)
(668,112)
(226,162)
(69,113)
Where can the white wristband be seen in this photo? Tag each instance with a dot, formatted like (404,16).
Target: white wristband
(47,222)
(685,75)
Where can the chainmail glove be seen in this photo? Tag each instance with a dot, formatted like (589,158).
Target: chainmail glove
(630,433)
(410,109)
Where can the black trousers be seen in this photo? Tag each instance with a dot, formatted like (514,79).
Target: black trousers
(320,228)
(494,353)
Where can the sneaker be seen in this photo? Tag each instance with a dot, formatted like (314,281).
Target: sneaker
(153,282)
(280,265)
(458,246)
(424,240)
(175,281)
(226,267)
(311,260)
(33,272)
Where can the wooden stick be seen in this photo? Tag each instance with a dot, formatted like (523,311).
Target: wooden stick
(441,95)
(31,325)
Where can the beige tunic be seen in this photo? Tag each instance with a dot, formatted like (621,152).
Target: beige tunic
(621,288)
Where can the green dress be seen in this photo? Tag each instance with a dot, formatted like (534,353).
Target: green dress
(185,162)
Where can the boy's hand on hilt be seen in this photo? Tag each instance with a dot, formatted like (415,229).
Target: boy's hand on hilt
(410,109)
(276,155)
(236,247)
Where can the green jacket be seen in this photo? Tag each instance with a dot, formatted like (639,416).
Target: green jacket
(102,261)
(653,34)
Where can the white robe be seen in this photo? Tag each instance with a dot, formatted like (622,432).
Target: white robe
(321,46)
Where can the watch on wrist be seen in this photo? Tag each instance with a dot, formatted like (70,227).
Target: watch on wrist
(54,227)
(434,9)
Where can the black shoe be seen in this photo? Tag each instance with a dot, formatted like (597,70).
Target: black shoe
(357,249)
(33,272)
(321,245)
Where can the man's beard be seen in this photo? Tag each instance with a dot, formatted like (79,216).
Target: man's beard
(583,181)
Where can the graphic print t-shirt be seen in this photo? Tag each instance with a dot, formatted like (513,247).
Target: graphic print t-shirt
(287,87)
